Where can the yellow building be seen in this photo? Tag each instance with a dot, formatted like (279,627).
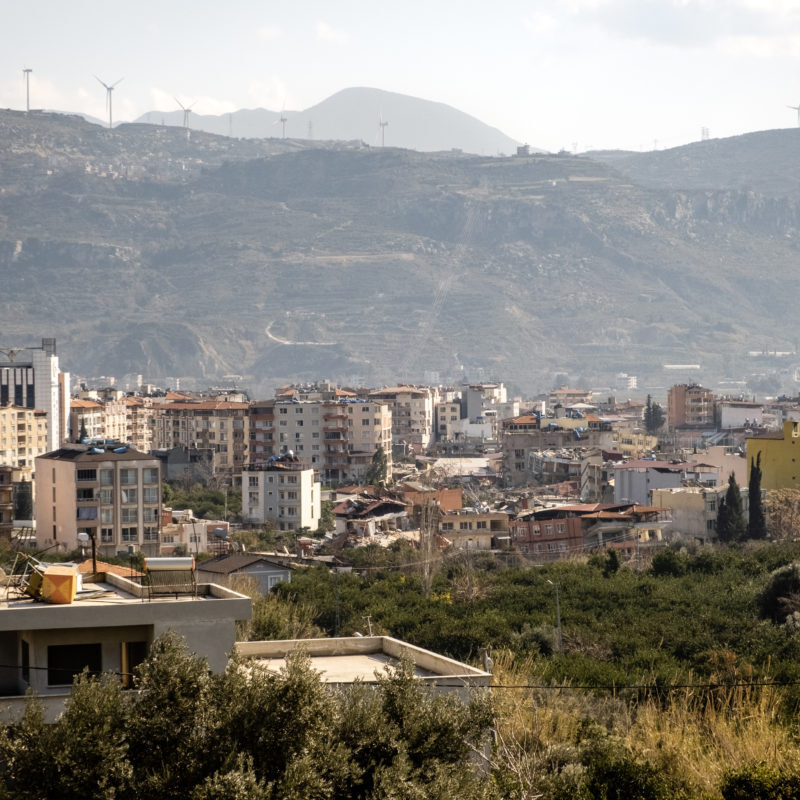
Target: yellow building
(780,457)
(634,443)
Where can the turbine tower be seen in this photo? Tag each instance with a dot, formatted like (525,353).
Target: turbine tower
(27,75)
(797,109)
(283,125)
(109,89)
(186,111)
(382,123)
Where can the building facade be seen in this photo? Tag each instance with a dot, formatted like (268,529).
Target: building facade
(284,492)
(690,406)
(112,493)
(30,377)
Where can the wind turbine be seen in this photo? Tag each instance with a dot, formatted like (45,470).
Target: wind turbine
(109,89)
(282,120)
(382,123)
(797,109)
(186,111)
(27,75)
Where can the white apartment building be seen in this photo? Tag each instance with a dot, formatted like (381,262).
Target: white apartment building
(30,378)
(283,491)
(112,493)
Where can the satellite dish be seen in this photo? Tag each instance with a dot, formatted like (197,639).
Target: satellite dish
(84,537)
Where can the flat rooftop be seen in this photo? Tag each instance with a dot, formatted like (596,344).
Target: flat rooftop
(343,660)
(112,599)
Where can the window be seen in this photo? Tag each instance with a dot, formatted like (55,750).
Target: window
(127,476)
(548,529)
(465,526)
(107,515)
(150,533)
(150,475)
(65,661)
(106,535)
(105,497)
(150,514)
(106,477)
(252,480)
(87,512)
(253,497)
(130,534)
(129,496)
(87,475)
(150,494)
(536,530)
(130,514)
(84,495)
(560,527)
(132,654)
(365,421)
(315,435)
(519,454)
(282,411)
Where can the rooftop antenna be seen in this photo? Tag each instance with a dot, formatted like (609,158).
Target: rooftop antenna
(109,89)
(797,109)
(382,123)
(26,73)
(186,111)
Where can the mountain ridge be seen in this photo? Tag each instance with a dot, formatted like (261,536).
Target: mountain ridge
(153,250)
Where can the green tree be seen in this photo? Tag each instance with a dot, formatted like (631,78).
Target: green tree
(379,468)
(731,524)
(757,523)
(653,416)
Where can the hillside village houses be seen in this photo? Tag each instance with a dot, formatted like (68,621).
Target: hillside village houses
(567,449)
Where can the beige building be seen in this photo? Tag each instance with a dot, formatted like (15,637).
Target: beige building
(336,438)
(23,436)
(474,529)
(221,426)
(139,423)
(448,417)
(111,493)
(412,414)
(284,492)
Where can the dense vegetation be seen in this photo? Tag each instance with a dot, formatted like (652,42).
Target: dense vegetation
(683,617)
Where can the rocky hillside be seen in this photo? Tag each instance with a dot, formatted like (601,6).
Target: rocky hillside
(145,251)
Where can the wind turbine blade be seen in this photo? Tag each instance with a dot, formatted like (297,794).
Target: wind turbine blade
(179,103)
(119,81)
(102,84)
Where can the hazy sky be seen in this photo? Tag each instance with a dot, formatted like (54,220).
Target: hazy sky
(553,73)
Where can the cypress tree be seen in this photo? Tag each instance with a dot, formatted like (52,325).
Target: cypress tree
(731,524)
(756,523)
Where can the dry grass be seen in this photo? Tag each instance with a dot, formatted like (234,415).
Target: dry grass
(695,735)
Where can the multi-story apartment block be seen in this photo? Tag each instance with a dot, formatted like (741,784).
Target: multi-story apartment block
(337,438)
(112,493)
(221,426)
(690,406)
(30,378)
(284,491)
(447,416)
(139,423)
(99,418)
(412,414)
(23,436)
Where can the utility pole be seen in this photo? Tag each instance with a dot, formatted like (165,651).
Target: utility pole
(559,643)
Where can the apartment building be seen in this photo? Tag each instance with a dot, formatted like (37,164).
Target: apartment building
(30,377)
(412,414)
(23,436)
(139,423)
(335,437)
(283,491)
(221,426)
(110,492)
(474,529)
(447,417)
(690,406)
